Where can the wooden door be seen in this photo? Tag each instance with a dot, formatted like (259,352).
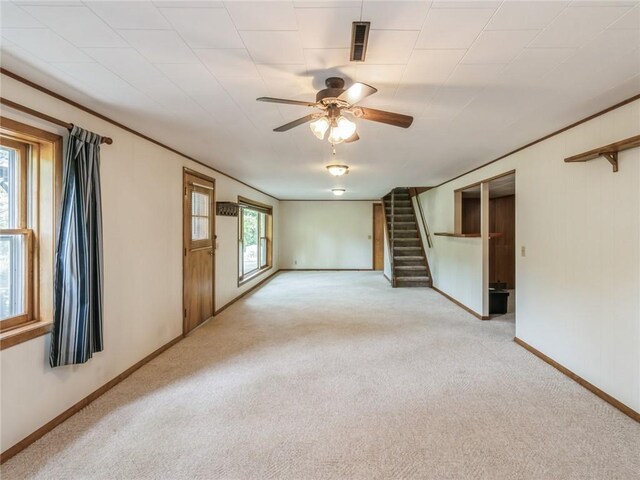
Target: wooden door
(378,237)
(199,251)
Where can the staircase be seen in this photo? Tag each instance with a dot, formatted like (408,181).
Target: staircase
(409,266)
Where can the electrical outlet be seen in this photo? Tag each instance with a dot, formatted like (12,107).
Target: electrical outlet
(523,251)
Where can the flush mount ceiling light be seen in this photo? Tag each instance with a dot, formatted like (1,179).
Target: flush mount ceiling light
(338,191)
(338,170)
(333,102)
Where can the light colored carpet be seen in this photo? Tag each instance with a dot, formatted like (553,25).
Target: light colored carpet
(334,375)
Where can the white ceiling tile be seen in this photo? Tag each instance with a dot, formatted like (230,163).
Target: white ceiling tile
(320,58)
(383,77)
(12,16)
(45,43)
(609,44)
(197,82)
(525,15)
(263,15)
(290,81)
(132,67)
(576,25)
(327,4)
(499,46)
(228,62)
(326,27)
(453,28)
(193,78)
(468,4)
(532,64)
(188,4)
(57,3)
(159,46)
(431,66)
(129,14)
(395,15)
(380,75)
(79,25)
(127,63)
(328,62)
(475,75)
(204,27)
(273,46)
(630,20)
(390,46)
(604,3)
(99,81)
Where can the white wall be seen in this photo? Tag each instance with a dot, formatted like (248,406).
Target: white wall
(142,220)
(578,287)
(326,234)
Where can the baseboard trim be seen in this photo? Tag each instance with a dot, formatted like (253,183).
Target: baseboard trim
(388,279)
(245,293)
(326,270)
(47,427)
(577,378)
(461,305)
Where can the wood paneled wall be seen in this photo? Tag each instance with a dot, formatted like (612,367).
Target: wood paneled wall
(502,250)
(471,215)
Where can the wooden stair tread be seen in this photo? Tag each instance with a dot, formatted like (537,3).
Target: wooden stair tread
(413,279)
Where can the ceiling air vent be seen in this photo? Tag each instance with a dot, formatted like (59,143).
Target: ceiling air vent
(359,38)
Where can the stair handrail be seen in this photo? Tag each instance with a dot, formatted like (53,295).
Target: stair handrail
(393,238)
(423,219)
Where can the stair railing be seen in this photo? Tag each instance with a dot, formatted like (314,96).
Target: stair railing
(423,219)
(393,238)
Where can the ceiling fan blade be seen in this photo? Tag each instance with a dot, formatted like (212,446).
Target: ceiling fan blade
(353,138)
(390,118)
(357,92)
(295,123)
(286,102)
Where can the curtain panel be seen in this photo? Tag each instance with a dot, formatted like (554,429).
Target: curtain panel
(77,324)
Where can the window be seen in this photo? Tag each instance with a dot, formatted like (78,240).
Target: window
(29,172)
(255,231)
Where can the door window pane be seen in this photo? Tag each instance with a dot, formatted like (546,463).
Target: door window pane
(200,229)
(12,275)
(9,197)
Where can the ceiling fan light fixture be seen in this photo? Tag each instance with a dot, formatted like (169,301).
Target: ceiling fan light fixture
(334,136)
(319,127)
(338,191)
(346,128)
(338,170)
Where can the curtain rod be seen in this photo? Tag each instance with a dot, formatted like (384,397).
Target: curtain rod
(45,117)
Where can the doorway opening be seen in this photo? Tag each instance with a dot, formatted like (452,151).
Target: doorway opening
(488,210)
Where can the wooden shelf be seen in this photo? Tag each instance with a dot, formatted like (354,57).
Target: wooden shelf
(610,152)
(467,235)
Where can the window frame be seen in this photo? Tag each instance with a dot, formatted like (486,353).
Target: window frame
(40,194)
(267,211)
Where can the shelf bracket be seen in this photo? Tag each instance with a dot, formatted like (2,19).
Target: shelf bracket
(613,159)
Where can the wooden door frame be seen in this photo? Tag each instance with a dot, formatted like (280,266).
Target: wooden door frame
(187,171)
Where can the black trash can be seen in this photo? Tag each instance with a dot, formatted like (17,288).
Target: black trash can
(498,301)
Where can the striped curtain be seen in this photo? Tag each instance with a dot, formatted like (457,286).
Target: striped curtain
(77,323)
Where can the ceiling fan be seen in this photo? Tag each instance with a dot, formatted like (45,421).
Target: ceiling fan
(332,102)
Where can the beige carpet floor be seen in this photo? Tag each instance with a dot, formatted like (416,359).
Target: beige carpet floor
(334,375)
